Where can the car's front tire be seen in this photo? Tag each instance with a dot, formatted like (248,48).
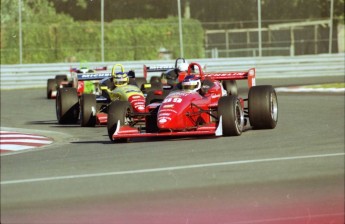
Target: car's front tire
(67,106)
(88,107)
(263,107)
(51,86)
(231,111)
(118,111)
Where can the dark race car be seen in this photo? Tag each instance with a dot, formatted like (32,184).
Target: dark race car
(208,111)
(91,107)
(61,81)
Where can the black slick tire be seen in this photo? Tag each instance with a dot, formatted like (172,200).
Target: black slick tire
(263,107)
(118,111)
(88,107)
(51,86)
(67,106)
(59,79)
(229,108)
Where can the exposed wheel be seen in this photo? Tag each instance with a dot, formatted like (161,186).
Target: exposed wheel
(263,107)
(88,107)
(51,86)
(151,121)
(231,111)
(59,79)
(231,87)
(118,111)
(67,106)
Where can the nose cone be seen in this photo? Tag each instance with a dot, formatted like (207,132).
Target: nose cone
(169,117)
(167,121)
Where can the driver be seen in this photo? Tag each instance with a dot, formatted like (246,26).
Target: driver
(120,79)
(182,70)
(191,83)
(183,67)
(84,70)
(172,77)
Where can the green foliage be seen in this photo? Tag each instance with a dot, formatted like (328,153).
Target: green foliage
(123,40)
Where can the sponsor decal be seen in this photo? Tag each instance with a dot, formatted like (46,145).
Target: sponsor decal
(226,74)
(158,68)
(164,114)
(168,106)
(178,94)
(172,100)
(167,111)
(215,96)
(163,119)
(94,75)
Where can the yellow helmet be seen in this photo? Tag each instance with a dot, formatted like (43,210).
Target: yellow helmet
(119,78)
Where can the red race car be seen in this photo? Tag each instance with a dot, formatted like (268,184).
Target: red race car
(60,81)
(199,105)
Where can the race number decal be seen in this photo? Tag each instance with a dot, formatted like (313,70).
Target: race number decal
(173,100)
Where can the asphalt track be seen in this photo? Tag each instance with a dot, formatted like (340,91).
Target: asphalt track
(292,174)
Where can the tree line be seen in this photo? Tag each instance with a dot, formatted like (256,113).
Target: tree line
(239,13)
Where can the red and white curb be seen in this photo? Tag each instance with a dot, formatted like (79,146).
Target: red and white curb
(15,141)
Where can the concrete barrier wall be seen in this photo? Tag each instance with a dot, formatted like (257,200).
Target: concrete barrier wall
(36,75)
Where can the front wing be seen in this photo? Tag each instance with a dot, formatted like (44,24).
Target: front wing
(127,131)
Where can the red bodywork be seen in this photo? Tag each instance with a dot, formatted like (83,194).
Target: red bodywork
(137,102)
(188,113)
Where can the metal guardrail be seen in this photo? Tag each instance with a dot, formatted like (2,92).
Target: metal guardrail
(36,75)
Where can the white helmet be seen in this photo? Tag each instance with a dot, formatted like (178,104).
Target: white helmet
(191,83)
(83,70)
(183,66)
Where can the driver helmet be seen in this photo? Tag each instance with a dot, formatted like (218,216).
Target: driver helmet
(191,83)
(183,67)
(120,79)
(171,77)
(84,69)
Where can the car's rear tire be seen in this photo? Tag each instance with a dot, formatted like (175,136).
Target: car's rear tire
(118,111)
(263,107)
(67,106)
(51,86)
(231,87)
(231,111)
(88,107)
(59,79)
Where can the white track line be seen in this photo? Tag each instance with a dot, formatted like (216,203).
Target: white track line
(173,168)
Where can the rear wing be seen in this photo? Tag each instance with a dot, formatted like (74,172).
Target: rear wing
(161,68)
(233,75)
(147,69)
(249,75)
(102,68)
(93,76)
